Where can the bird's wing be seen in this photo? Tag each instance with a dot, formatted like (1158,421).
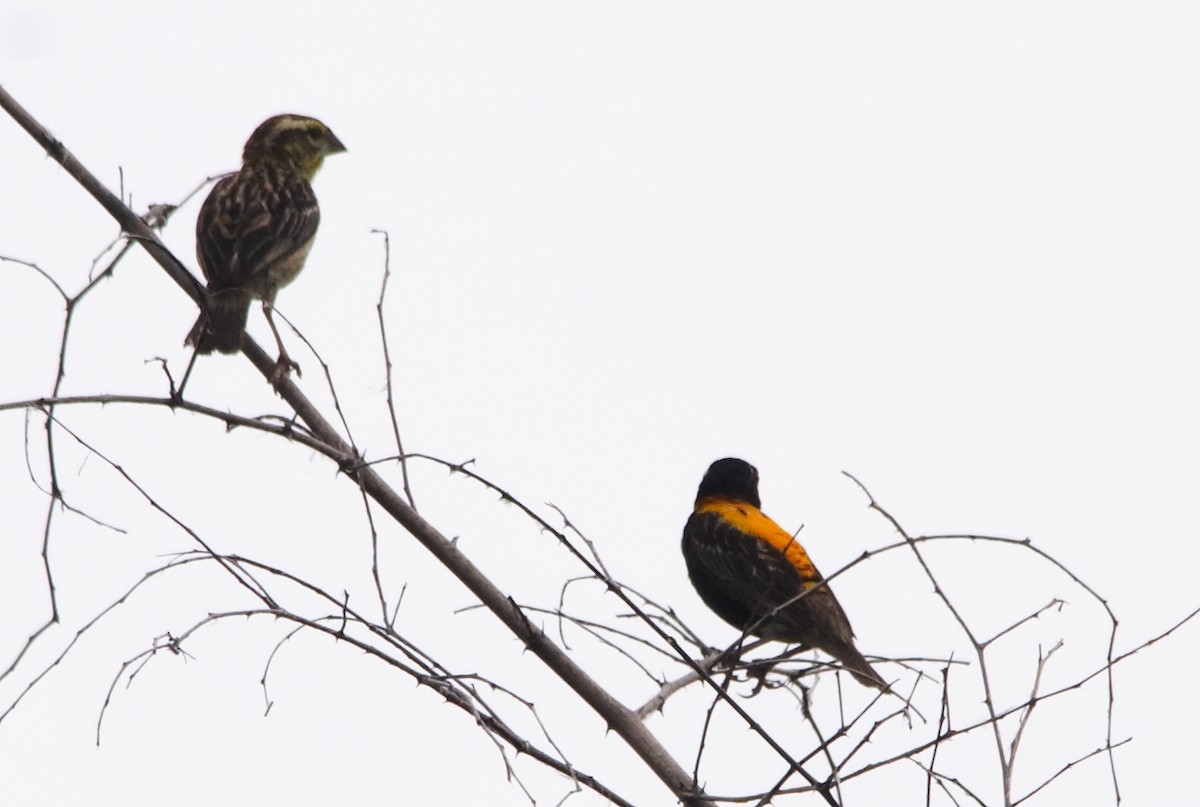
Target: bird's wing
(745,565)
(251,221)
(216,233)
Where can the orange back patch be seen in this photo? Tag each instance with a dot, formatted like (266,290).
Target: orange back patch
(756,524)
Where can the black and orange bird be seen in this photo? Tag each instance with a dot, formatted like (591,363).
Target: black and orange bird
(256,228)
(757,577)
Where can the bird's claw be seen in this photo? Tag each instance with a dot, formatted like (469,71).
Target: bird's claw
(283,366)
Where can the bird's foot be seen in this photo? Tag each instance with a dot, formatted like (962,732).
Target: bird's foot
(759,672)
(283,366)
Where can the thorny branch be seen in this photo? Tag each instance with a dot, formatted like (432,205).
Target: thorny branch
(1008,760)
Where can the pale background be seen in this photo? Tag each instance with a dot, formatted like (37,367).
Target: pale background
(950,249)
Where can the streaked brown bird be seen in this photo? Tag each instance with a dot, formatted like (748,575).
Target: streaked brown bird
(256,228)
(757,577)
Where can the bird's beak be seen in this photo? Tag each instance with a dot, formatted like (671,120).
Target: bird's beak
(333,145)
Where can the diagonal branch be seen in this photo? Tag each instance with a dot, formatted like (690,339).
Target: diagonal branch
(617,717)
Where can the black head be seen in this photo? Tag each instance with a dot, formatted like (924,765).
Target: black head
(730,478)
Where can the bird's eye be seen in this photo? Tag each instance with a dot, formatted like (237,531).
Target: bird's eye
(315,134)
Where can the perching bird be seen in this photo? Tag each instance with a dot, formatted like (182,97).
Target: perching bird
(256,227)
(744,566)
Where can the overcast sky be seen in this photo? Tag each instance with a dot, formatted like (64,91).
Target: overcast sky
(948,248)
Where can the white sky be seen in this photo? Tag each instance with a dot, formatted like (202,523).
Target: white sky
(949,248)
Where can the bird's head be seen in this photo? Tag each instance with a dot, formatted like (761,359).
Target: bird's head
(295,140)
(731,479)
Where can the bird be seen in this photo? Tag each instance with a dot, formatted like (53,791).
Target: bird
(757,577)
(256,228)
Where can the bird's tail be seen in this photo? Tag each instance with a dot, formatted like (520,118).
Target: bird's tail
(221,324)
(858,666)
